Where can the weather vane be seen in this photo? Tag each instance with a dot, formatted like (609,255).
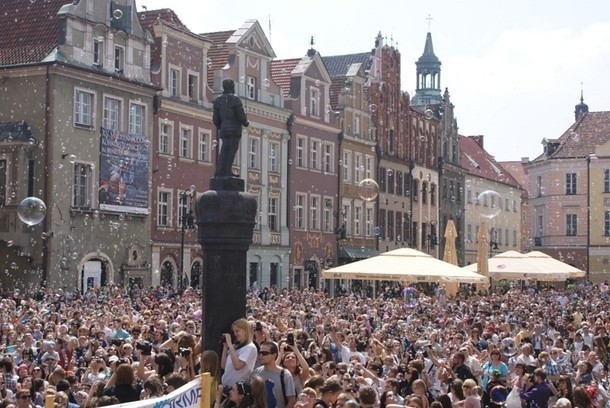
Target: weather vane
(429,19)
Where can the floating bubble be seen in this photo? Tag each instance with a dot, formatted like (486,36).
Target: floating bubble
(422,138)
(32,141)
(14,265)
(368,189)
(373,148)
(372,107)
(208,62)
(117,14)
(290,161)
(32,210)
(43,235)
(72,158)
(266,82)
(317,82)
(60,166)
(164,43)
(390,172)
(490,204)
(429,113)
(74,255)
(242,79)
(9,243)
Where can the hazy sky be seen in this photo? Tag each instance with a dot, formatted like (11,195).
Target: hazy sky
(513,68)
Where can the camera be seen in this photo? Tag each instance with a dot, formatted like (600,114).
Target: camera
(145,347)
(185,351)
(226,390)
(290,339)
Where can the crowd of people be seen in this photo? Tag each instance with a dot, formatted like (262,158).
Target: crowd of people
(522,348)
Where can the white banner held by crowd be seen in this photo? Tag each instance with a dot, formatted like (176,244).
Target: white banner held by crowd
(187,396)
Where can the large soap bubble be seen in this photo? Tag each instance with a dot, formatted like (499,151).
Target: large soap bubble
(490,204)
(368,189)
(32,210)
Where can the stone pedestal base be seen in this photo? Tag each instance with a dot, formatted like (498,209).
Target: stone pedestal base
(225,218)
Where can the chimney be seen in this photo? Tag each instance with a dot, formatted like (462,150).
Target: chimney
(478,139)
(525,160)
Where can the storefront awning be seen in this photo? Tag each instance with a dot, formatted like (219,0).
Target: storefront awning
(356,252)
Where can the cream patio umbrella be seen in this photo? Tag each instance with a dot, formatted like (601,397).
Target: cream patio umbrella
(404,265)
(553,265)
(450,254)
(513,265)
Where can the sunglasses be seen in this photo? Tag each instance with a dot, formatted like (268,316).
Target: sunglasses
(264,353)
(23,397)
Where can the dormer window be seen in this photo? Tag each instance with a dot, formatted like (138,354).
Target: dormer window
(315,102)
(98,52)
(119,59)
(251,88)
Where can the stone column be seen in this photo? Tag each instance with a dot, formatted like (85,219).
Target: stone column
(226,218)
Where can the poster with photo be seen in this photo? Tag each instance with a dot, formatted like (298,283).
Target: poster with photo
(124,175)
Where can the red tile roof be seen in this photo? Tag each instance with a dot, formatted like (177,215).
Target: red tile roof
(590,130)
(280,73)
(218,53)
(149,17)
(29,30)
(478,162)
(518,170)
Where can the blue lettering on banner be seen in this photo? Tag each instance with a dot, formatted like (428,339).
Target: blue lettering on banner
(185,400)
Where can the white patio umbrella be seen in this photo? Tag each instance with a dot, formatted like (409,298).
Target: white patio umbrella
(404,265)
(554,265)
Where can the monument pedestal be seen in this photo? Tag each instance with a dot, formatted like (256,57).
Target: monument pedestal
(225,218)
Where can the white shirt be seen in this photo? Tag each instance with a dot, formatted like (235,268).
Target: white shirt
(247,354)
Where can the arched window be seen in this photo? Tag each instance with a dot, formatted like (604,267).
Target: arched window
(167,274)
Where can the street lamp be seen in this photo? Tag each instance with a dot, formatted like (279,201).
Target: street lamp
(186,222)
(493,243)
(410,218)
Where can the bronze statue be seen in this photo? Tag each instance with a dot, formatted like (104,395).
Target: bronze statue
(229,117)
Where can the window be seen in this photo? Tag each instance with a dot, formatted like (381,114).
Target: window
(369,222)
(203,153)
(81,186)
(571,183)
(571,225)
(328,214)
(391,184)
(328,158)
(399,183)
(390,235)
(183,208)
(315,155)
(174,82)
(186,136)
(539,186)
(274,157)
(301,151)
(506,207)
(382,224)
(163,209)
(469,233)
(415,191)
(83,108)
(506,237)
(3,172)
(251,88)
(606,223)
(253,153)
(347,216)
(119,59)
(272,217)
(98,53)
(357,220)
(358,168)
(347,168)
(514,238)
(112,111)
(299,212)
(368,169)
(193,87)
(514,206)
(424,192)
(165,138)
(433,194)
(314,210)
(540,225)
(314,106)
(606,181)
(356,126)
(136,119)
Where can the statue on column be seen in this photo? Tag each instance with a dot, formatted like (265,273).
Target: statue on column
(229,117)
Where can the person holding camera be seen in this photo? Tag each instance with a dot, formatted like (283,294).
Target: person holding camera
(242,394)
(290,358)
(183,345)
(122,384)
(238,359)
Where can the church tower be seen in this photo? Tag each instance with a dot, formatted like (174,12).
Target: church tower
(428,89)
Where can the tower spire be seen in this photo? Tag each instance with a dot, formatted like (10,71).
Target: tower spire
(428,89)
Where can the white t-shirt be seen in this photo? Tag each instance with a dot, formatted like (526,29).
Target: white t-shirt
(247,354)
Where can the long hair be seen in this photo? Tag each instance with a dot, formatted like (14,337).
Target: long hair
(210,363)
(244,325)
(259,393)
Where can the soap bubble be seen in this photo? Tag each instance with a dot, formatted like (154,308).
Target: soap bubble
(368,189)
(266,82)
(372,107)
(208,62)
(9,243)
(117,14)
(72,158)
(14,265)
(390,172)
(429,114)
(31,210)
(490,204)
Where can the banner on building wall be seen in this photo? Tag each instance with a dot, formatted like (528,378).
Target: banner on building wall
(124,172)
(187,396)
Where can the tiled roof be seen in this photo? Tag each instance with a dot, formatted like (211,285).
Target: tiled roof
(29,30)
(478,162)
(336,86)
(149,17)
(338,65)
(518,170)
(218,53)
(281,73)
(590,130)
(16,132)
